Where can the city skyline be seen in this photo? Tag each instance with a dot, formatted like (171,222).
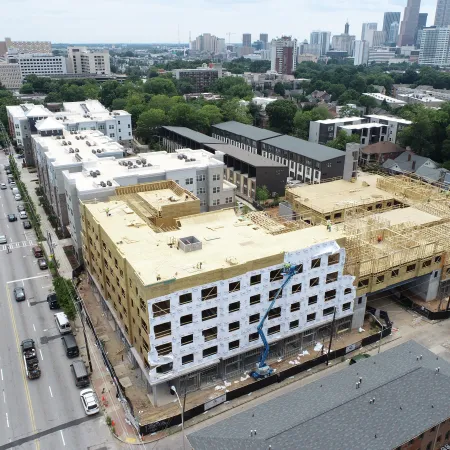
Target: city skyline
(59,23)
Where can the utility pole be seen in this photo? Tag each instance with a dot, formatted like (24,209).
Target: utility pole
(331,336)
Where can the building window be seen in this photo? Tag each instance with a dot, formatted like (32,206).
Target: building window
(274,330)
(347,291)
(311,317)
(216,177)
(186,359)
(346,306)
(255,279)
(233,345)
(186,320)
(276,275)
(332,277)
(189,181)
(254,318)
(234,287)
(333,259)
(253,337)
(273,293)
(294,324)
(363,283)
(210,334)
(185,298)
(312,300)
(410,268)
(274,313)
(255,299)
(235,306)
(189,339)
(233,326)
(330,295)
(295,307)
(201,177)
(216,202)
(208,314)
(314,282)
(209,293)
(296,288)
(216,190)
(201,190)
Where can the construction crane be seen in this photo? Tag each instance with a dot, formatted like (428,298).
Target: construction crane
(263,370)
(229,37)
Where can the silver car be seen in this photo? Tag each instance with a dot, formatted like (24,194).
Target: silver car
(3,239)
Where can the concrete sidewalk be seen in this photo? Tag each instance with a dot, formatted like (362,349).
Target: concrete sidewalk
(100,377)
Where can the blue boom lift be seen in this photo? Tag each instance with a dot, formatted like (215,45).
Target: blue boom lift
(263,370)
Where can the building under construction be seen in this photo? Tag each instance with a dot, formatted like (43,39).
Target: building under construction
(188,289)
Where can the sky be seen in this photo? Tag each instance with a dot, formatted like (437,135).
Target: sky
(143,21)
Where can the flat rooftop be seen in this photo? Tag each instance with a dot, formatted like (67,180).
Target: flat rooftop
(360,126)
(404,215)
(227,240)
(339,120)
(156,163)
(389,118)
(339,194)
(163,197)
(191,134)
(382,97)
(248,131)
(88,147)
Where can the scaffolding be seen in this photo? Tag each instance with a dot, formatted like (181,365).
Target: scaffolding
(275,225)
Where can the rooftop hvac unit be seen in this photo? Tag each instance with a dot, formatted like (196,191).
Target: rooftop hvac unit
(102,184)
(58,137)
(130,163)
(93,151)
(143,160)
(91,173)
(109,183)
(98,150)
(97,172)
(77,150)
(64,143)
(88,143)
(138,162)
(135,166)
(77,138)
(144,165)
(71,132)
(71,150)
(94,175)
(69,143)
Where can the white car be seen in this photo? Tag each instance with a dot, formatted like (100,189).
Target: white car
(18,197)
(3,239)
(3,186)
(12,184)
(23,215)
(89,402)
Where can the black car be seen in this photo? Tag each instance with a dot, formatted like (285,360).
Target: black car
(7,167)
(42,263)
(19,294)
(12,218)
(26,224)
(52,301)
(8,172)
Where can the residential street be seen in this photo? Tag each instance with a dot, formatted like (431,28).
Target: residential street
(44,413)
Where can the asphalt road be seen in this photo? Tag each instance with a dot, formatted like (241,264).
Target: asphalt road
(45,413)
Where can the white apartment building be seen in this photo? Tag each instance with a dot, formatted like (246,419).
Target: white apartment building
(57,150)
(283,55)
(81,60)
(323,131)
(381,54)
(75,116)
(10,76)
(197,171)
(394,125)
(361,53)
(366,27)
(40,64)
(435,46)
(380,98)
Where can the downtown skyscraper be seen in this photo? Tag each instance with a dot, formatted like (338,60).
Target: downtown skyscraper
(391,17)
(408,28)
(442,18)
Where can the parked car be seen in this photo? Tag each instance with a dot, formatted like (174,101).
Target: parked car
(23,215)
(52,301)
(18,197)
(3,186)
(42,263)
(3,239)
(20,207)
(26,224)
(89,402)
(12,184)
(19,294)
(8,172)
(37,251)
(12,218)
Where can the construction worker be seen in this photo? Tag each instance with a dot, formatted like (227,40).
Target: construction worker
(286,267)
(8,249)
(329,225)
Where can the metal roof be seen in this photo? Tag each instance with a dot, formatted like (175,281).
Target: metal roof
(244,156)
(194,135)
(248,131)
(410,398)
(317,152)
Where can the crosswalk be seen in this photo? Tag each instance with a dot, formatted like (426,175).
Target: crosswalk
(13,245)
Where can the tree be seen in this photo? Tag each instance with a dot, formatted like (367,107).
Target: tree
(232,87)
(281,115)
(91,91)
(118,103)
(53,97)
(149,123)
(262,194)
(210,115)
(348,111)
(303,118)
(184,87)
(233,110)
(164,102)
(342,139)
(183,115)
(279,89)
(160,85)
(27,88)
(367,101)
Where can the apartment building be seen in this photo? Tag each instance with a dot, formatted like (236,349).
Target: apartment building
(174,138)
(10,76)
(283,55)
(40,64)
(323,131)
(73,116)
(197,171)
(83,61)
(28,46)
(201,78)
(243,136)
(56,150)
(188,301)
(380,98)
(409,376)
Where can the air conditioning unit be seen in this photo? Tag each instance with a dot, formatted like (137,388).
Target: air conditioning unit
(97,172)
(98,150)
(71,150)
(69,143)
(102,184)
(77,138)
(93,151)
(138,162)
(88,143)
(109,183)
(77,150)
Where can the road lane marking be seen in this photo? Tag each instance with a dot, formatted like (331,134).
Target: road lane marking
(27,391)
(4,396)
(51,393)
(28,303)
(40,351)
(7,420)
(1,372)
(62,437)
(34,328)
(26,279)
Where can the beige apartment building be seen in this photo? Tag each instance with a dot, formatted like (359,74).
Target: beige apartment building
(10,76)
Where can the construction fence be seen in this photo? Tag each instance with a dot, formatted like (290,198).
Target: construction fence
(279,377)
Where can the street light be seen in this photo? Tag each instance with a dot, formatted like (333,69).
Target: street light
(174,390)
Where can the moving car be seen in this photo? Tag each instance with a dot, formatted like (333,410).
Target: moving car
(19,294)
(26,224)
(3,186)
(23,215)
(18,197)
(12,218)
(89,401)
(3,239)
(42,263)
